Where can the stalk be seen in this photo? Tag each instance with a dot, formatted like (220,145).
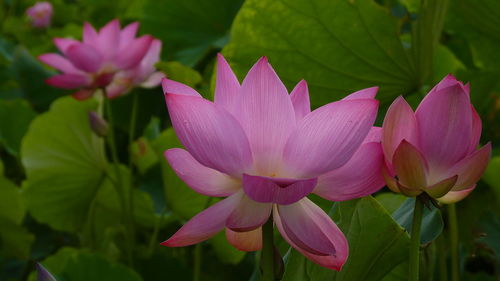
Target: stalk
(452,223)
(267,256)
(415,241)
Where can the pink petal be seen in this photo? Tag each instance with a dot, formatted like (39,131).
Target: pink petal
(455,196)
(445,126)
(248,215)
(210,133)
(147,66)
(360,176)
(399,124)
(205,224)
(117,89)
(84,57)
(471,168)
(176,88)
(245,241)
(59,62)
(108,39)
(300,100)
(153,80)
(128,33)
(476,130)
(368,93)
(407,190)
(89,34)
(63,43)
(328,137)
(201,179)
(277,190)
(266,114)
(227,87)
(68,81)
(441,188)
(83,94)
(375,135)
(410,165)
(309,230)
(132,54)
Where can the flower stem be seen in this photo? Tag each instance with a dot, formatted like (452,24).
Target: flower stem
(197,262)
(452,223)
(131,136)
(415,241)
(441,249)
(267,256)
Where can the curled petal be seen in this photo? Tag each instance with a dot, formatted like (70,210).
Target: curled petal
(399,124)
(310,231)
(59,62)
(84,57)
(360,176)
(210,133)
(173,87)
(248,215)
(245,241)
(68,81)
(410,165)
(205,224)
(455,196)
(227,87)
(266,114)
(328,137)
(201,179)
(441,188)
(471,168)
(277,190)
(300,100)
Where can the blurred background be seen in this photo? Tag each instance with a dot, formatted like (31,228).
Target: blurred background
(56,207)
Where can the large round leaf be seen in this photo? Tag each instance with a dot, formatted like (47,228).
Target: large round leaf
(338,46)
(65,164)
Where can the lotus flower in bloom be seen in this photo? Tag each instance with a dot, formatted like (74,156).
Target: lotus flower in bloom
(93,63)
(434,149)
(265,151)
(40,14)
(44,274)
(143,75)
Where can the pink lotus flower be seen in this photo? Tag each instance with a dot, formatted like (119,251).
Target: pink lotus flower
(266,151)
(434,150)
(143,75)
(92,64)
(40,14)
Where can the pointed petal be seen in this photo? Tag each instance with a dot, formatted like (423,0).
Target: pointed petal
(210,133)
(330,261)
(266,114)
(360,176)
(128,33)
(201,179)
(205,224)
(399,124)
(410,166)
(227,87)
(58,62)
(471,168)
(277,190)
(63,43)
(368,93)
(407,190)
(389,179)
(248,215)
(245,241)
(132,54)
(455,196)
(173,87)
(43,274)
(300,100)
(444,122)
(477,128)
(108,39)
(328,137)
(441,188)
(84,57)
(146,67)
(67,81)
(89,34)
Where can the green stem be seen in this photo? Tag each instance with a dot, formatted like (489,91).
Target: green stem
(267,256)
(119,185)
(131,135)
(415,241)
(453,228)
(441,249)
(197,262)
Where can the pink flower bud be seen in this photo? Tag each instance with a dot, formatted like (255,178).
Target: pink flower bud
(40,14)
(98,124)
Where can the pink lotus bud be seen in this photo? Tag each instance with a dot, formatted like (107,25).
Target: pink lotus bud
(40,14)
(98,124)
(434,149)
(266,151)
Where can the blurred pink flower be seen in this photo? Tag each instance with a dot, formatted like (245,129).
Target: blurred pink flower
(265,151)
(40,14)
(434,150)
(92,64)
